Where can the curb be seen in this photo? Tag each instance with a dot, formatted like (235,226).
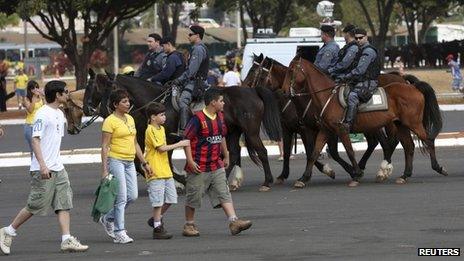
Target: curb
(88,156)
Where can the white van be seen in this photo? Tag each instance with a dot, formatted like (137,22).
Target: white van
(282,50)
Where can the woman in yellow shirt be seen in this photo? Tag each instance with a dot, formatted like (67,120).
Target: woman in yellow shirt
(32,103)
(119,148)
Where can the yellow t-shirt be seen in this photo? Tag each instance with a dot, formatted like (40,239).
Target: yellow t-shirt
(30,116)
(21,81)
(159,161)
(122,144)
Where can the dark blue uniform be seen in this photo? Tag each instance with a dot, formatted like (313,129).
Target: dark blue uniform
(327,56)
(346,57)
(173,68)
(152,64)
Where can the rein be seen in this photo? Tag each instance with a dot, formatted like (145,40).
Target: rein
(293,93)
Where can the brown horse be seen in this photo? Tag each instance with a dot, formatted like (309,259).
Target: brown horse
(292,122)
(411,107)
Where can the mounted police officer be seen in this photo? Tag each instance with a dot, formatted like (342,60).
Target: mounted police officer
(327,55)
(363,78)
(194,78)
(346,55)
(154,60)
(174,66)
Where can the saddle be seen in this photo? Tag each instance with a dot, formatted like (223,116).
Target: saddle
(378,101)
(197,103)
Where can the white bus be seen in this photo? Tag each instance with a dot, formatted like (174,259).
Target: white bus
(282,50)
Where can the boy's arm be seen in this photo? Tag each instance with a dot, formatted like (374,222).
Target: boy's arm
(182,143)
(225,152)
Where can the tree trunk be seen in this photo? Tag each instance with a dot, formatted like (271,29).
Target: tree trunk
(175,9)
(81,71)
(242,22)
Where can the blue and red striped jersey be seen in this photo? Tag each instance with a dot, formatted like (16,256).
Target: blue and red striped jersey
(205,137)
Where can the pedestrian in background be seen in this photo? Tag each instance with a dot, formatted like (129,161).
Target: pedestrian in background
(20,84)
(231,77)
(32,103)
(456,84)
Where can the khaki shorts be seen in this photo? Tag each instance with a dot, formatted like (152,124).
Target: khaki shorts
(213,183)
(47,194)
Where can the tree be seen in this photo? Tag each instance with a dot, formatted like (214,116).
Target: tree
(98,17)
(169,9)
(7,15)
(425,12)
(380,26)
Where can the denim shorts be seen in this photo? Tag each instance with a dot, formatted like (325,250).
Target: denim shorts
(162,191)
(21,92)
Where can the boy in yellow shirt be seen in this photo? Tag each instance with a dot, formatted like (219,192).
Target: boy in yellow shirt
(20,84)
(161,189)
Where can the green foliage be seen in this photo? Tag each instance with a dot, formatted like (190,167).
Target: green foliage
(6,20)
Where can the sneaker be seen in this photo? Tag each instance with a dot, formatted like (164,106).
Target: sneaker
(281,158)
(238,226)
(73,245)
(5,241)
(160,233)
(190,230)
(107,226)
(122,238)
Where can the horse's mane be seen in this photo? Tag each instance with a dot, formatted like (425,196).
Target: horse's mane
(325,76)
(130,81)
(275,61)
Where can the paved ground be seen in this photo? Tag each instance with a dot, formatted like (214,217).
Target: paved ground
(91,136)
(328,221)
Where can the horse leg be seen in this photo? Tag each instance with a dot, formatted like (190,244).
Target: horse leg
(332,144)
(430,146)
(321,139)
(357,172)
(372,142)
(254,141)
(408,145)
(233,145)
(309,145)
(287,140)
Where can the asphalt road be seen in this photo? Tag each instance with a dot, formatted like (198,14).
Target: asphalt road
(327,221)
(91,136)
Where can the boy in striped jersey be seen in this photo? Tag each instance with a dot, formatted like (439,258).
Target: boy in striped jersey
(206,131)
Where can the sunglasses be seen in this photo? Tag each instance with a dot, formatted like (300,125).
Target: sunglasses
(65,92)
(190,34)
(359,38)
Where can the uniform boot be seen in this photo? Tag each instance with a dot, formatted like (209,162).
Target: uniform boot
(184,117)
(347,124)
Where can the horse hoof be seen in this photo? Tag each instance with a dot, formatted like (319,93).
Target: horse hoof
(264,189)
(353,184)
(329,171)
(299,184)
(280,181)
(380,178)
(400,181)
(444,172)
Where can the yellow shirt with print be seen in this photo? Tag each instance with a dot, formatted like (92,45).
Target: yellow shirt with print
(30,116)
(122,143)
(21,81)
(159,161)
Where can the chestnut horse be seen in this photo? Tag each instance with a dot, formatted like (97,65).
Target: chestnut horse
(411,107)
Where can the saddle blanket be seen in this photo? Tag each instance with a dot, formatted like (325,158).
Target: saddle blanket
(378,101)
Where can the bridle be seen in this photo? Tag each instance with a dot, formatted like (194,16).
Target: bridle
(258,72)
(294,94)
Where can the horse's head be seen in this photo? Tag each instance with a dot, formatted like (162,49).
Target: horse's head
(295,77)
(254,71)
(273,74)
(73,111)
(96,94)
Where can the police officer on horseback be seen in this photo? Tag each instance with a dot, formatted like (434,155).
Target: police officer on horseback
(363,78)
(193,79)
(174,66)
(346,55)
(327,56)
(154,60)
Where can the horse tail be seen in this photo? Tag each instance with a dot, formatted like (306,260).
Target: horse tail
(411,78)
(271,119)
(432,119)
(252,153)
